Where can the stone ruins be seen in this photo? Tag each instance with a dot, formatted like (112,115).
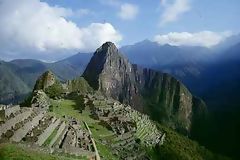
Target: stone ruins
(35,128)
(129,126)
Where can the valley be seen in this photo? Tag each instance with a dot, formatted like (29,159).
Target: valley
(79,120)
(108,138)
(119,80)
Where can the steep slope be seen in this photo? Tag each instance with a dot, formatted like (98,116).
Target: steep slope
(45,81)
(228,43)
(29,70)
(155,93)
(221,77)
(24,73)
(219,86)
(49,83)
(71,67)
(179,61)
(12,88)
(200,69)
(174,146)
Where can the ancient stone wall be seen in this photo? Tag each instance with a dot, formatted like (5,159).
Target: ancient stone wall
(43,137)
(11,110)
(59,132)
(12,122)
(21,132)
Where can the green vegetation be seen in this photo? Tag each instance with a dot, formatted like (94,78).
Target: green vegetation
(48,141)
(43,80)
(12,88)
(14,152)
(79,85)
(180,147)
(73,108)
(27,101)
(18,77)
(61,108)
(162,103)
(55,90)
(175,146)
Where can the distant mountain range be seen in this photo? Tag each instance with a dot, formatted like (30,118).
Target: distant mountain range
(19,76)
(158,94)
(200,69)
(208,73)
(212,74)
(130,112)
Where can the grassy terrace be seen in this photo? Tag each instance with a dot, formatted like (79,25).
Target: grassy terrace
(72,108)
(59,109)
(14,152)
(48,141)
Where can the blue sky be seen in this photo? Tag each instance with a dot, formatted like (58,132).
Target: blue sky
(212,15)
(54,29)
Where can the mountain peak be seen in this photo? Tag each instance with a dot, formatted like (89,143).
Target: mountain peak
(106,60)
(108,44)
(46,80)
(114,76)
(107,48)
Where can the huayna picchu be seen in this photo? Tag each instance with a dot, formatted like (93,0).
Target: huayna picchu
(158,94)
(115,110)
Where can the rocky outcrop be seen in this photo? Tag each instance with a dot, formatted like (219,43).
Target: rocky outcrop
(79,85)
(50,85)
(111,73)
(40,99)
(160,95)
(46,80)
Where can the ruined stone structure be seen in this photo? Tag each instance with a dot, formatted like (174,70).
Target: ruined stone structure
(36,128)
(22,132)
(40,99)
(157,94)
(7,110)
(127,124)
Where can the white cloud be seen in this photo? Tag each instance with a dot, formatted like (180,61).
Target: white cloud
(174,10)
(203,38)
(128,11)
(32,26)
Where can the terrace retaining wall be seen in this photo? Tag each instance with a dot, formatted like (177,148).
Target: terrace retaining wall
(21,132)
(13,121)
(47,132)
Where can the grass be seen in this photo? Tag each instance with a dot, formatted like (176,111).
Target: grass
(14,152)
(48,141)
(71,108)
(105,152)
(177,146)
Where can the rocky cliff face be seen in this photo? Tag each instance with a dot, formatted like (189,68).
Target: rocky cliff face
(108,71)
(46,80)
(50,85)
(163,97)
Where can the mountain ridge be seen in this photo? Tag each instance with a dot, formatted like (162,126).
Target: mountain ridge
(26,72)
(111,73)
